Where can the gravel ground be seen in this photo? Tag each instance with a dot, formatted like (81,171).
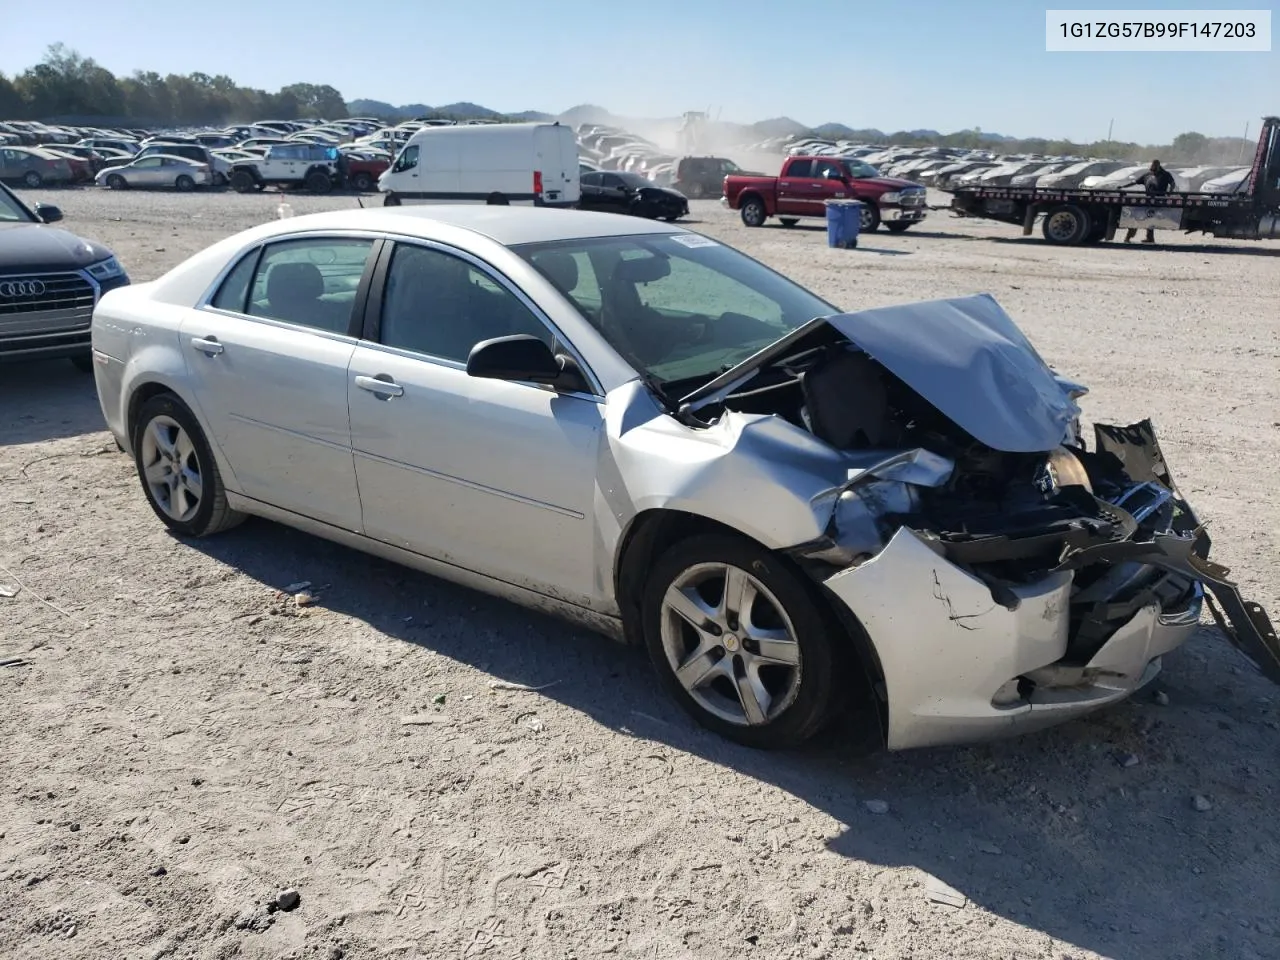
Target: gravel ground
(182,744)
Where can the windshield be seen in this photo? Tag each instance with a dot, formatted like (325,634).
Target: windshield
(11,211)
(681,308)
(859,170)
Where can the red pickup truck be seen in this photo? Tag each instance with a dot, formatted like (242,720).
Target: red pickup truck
(805,183)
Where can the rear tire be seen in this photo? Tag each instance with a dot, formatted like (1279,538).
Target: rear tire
(33,179)
(318,182)
(763,672)
(184,183)
(753,212)
(175,465)
(1066,225)
(362,183)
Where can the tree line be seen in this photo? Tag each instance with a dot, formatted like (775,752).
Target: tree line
(71,88)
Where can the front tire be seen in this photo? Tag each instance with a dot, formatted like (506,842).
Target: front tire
(242,181)
(869,216)
(178,473)
(184,183)
(753,212)
(741,641)
(33,179)
(117,182)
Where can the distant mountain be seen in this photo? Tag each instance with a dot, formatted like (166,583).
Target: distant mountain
(459,111)
(591,113)
(778,127)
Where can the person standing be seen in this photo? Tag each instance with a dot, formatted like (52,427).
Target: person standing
(1157,181)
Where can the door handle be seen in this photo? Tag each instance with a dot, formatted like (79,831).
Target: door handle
(207,345)
(382,385)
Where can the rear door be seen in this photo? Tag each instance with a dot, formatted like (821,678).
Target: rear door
(268,357)
(147,172)
(556,156)
(796,189)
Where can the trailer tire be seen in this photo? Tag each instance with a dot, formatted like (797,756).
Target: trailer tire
(1066,225)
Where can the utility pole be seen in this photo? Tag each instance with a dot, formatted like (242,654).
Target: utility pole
(1110,125)
(1240,158)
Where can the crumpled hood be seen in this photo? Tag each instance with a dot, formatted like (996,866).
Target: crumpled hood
(968,358)
(25,247)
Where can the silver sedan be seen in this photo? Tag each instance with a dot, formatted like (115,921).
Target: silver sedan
(796,510)
(156,170)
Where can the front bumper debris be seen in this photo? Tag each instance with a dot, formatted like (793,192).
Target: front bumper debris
(967,654)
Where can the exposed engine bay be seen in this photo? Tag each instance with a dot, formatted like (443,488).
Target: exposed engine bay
(1013,516)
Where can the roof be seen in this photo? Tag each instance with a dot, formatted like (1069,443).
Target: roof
(507,225)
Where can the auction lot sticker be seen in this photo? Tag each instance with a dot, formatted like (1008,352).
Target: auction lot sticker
(1157,31)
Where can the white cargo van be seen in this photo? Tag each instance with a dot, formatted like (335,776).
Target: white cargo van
(486,163)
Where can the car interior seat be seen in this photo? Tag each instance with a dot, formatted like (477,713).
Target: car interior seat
(294,291)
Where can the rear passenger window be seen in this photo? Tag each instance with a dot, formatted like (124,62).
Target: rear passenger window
(800,168)
(235,286)
(311,282)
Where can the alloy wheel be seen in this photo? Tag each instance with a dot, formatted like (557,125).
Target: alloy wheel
(730,644)
(172,469)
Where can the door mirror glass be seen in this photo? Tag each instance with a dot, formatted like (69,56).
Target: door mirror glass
(516,357)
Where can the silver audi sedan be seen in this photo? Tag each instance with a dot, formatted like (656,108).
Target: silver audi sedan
(795,509)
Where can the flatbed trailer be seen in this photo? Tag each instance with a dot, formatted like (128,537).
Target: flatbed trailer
(1077,216)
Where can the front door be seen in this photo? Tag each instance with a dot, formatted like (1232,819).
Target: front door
(269,364)
(491,476)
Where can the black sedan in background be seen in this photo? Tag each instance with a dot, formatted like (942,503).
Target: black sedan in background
(50,280)
(610,191)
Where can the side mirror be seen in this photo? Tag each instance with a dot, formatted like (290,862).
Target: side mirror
(517,357)
(48,213)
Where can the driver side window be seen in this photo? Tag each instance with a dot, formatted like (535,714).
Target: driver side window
(407,160)
(441,306)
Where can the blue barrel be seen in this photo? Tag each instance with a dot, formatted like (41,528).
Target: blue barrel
(852,220)
(844,218)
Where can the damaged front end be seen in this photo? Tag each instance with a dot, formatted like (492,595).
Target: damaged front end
(1007,576)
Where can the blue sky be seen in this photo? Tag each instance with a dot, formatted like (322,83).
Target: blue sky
(901,64)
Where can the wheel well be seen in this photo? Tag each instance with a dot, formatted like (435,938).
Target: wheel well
(319,168)
(744,198)
(654,532)
(140,396)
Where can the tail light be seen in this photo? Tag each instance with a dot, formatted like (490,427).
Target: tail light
(537,183)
